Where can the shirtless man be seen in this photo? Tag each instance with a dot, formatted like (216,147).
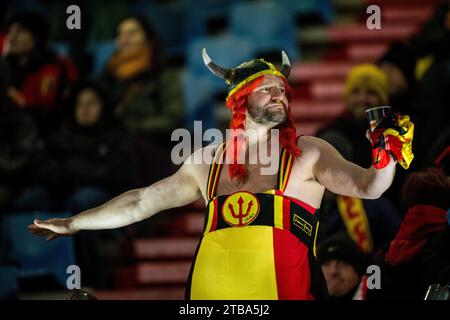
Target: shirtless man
(259,234)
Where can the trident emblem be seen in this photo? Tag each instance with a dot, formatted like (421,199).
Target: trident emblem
(240,215)
(234,208)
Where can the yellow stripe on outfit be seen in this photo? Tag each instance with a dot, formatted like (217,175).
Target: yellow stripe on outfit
(210,217)
(282,169)
(287,172)
(315,239)
(213,173)
(217,173)
(278,211)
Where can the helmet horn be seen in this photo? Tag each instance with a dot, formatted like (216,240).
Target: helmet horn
(286,65)
(223,73)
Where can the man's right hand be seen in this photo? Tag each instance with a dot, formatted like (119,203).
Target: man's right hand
(52,228)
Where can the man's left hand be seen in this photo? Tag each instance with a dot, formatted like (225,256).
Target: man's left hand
(393,137)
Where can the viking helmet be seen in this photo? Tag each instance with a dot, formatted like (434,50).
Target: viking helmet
(238,77)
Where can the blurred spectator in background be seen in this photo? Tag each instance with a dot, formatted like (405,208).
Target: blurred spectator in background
(370,223)
(35,76)
(420,253)
(399,64)
(147,94)
(91,160)
(366,87)
(432,45)
(344,267)
(20,145)
(91,155)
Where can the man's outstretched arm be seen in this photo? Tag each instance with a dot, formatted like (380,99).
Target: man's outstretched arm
(132,206)
(346,178)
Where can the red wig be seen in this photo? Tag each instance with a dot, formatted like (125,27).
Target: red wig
(238,104)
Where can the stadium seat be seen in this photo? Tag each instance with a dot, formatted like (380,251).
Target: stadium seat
(61,48)
(35,255)
(267,24)
(227,50)
(101,52)
(8,280)
(322,8)
(200,86)
(199,13)
(169,20)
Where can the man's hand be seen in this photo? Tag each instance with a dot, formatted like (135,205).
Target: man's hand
(393,137)
(52,228)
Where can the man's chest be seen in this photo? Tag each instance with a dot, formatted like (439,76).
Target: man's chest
(255,181)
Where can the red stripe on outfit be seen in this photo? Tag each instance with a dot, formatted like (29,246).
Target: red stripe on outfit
(291,267)
(214,221)
(286,214)
(304,205)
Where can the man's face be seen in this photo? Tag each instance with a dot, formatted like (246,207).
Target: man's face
(360,99)
(130,36)
(19,40)
(267,104)
(341,277)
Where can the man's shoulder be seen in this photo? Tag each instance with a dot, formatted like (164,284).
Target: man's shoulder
(203,156)
(310,143)
(314,148)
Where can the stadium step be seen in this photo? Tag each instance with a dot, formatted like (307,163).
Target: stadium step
(311,71)
(312,110)
(363,53)
(410,13)
(153,274)
(157,293)
(360,33)
(169,248)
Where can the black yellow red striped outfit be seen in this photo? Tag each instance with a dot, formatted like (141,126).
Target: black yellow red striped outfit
(256,246)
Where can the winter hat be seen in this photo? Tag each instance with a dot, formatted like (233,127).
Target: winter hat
(368,76)
(342,247)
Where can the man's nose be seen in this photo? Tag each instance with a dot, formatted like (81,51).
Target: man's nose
(334,266)
(276,93)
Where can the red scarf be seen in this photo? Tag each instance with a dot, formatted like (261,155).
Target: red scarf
(419,224)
